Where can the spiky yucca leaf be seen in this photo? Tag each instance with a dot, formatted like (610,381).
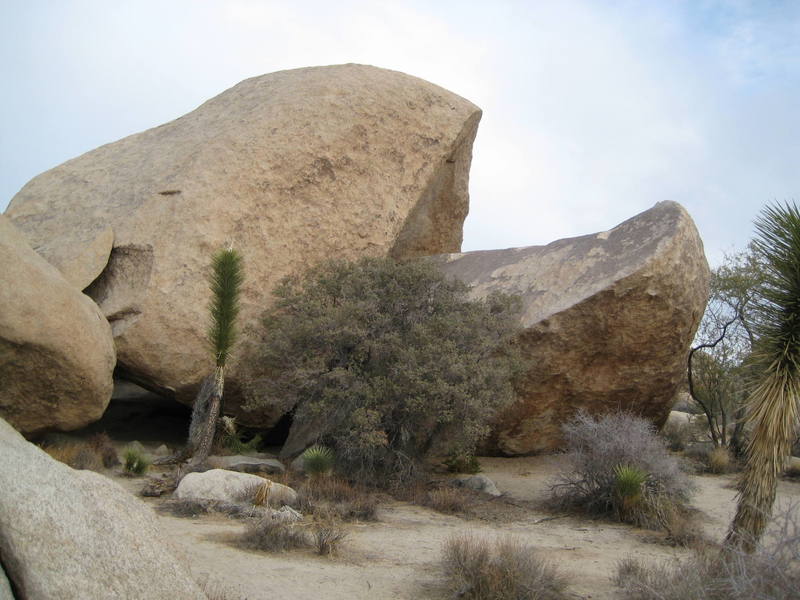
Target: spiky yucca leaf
(773,404)
(226,282)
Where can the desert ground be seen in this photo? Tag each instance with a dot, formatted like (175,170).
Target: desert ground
(398,556)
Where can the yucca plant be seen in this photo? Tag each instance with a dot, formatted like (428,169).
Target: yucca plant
(226,282)
(772,407)
(135,462)
(629,484)
(318,460)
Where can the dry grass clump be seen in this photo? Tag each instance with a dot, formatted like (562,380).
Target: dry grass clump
(101,443)
(77,455)
(478,569)
(275,535)
(771,573)
(336,497)
(677,435)
(445,500)
(327,538)
(193,508)
(619,467)
(720,460)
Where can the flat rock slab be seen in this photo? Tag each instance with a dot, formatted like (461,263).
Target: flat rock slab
(74,535)
(289,168)
(248,464)
(607,323)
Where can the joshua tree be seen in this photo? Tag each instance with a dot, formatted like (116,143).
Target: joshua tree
(226,280)
(773,403)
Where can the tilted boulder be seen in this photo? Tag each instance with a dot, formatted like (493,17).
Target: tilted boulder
(75,534)
(290,168)
(56,350)
(607,321)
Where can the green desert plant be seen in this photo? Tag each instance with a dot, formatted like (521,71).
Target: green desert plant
(389,363)
(225,282)
(463,463)
(629,486)
(135,462)
(480,569)
(772,407)
(318,460)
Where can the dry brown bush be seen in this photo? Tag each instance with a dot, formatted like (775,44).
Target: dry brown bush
(77,455)
(102,444)
(446,500)
(720,460)
(327,538)
(334,496)
(273,535)
(479,569)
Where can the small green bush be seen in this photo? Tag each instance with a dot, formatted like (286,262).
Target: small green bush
(629,487)
(463,463)
(478,569)
(135,462)
(318,460)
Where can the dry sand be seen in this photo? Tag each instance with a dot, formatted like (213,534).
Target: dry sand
(398,557)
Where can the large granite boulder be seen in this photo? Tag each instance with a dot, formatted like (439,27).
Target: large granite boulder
(75,534)
(56,350)
(607,321)
(290,168)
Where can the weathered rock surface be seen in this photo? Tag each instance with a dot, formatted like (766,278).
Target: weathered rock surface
(248,464)
(56,350)
(290,168)
(479,483)
(5,586)
(230,486)
(75,534)
(607,323)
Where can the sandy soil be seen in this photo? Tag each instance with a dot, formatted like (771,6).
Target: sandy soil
(398,557)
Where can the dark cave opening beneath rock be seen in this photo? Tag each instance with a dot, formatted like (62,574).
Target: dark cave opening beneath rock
(137,414)
(276,437)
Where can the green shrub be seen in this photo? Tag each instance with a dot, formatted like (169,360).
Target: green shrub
(603,449)
(478,569)
(463,463)
(389,362)
(629,482)
(135,462)
(318,460)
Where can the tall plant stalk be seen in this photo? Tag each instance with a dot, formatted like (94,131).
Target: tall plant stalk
(226,281)
(773,404)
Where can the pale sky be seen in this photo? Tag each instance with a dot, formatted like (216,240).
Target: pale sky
(593,110)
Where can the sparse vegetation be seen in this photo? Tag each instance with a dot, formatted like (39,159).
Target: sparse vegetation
(232,438)
(336,497)
(101,443)
(445,499)
(720,460)
(275,535)
(318,460)
(479,569)
(389,361)
(619,450)
(772,573)
(463,463)
(327,538)
(135,462)
(78,455)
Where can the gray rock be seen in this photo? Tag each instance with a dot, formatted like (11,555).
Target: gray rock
(607,321)
(479,483)
(74,535)
(162,450)
(232,487)
(287,514)
(248,464)
(5,586)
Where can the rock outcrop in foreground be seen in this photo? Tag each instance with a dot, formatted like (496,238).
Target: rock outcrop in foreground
(290,168)
(76,535)
(56,351)
(607,322)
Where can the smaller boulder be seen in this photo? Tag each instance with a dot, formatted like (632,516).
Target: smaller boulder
(479,483)
(231,487)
